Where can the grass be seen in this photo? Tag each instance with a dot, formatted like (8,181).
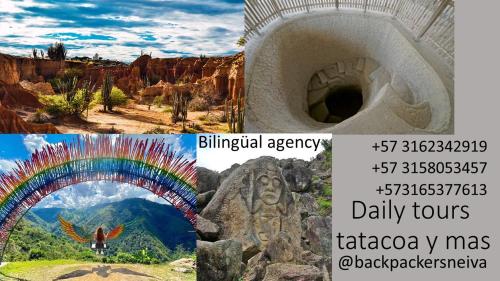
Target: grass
(325,206)
(168,109)
(327,190)
(48,270)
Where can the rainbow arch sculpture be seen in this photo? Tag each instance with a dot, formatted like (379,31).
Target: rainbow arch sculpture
(145,163)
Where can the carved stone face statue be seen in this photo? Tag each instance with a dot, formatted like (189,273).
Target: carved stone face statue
(269,204)
(269,188)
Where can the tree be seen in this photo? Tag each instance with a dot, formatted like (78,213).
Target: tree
(180,103)
(35,53)
(57,51)
(241,42)
(96,56)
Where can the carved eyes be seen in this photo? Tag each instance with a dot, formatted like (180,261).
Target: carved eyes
(276,182)
(265,181)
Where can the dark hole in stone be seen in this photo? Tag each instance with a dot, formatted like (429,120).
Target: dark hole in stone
(343,102)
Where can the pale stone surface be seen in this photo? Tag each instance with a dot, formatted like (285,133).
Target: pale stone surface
(43,88)
(202,199)
(206,229)
(281,62)
(219,260)
(207,180)
(297,174)
(253,204)
(292,272)
(318,231)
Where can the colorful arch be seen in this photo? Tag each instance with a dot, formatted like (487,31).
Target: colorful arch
(149,164)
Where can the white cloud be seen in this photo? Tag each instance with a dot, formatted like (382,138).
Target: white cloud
(169,28)
(35,142)
(222,159)
(88,194)
(7,165)
(14,7)
(85,5)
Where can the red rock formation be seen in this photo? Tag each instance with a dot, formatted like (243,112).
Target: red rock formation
(43,88)
(11,123)
(237,77)
(9,75)
(14,96)
(225,73)
(222,76)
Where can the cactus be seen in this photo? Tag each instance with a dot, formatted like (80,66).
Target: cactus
(107,86)
(87,90)
(180,103)
(67,88)
(236,115)
(241,113)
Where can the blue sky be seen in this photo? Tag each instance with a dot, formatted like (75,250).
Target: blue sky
(120,29)
(20,147)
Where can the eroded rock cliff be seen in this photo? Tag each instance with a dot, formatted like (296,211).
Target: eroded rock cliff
(23,79)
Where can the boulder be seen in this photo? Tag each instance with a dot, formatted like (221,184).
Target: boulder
(219,260)
(253,204)
(184,265)
(318,233)
(297,174)
(292,272)
(155,90)
(256,267)
(281,249)
(207,180)
(206,229)
(307,205)
(15,96)
(202,199)
(224,174)
(13,124)
(40,88)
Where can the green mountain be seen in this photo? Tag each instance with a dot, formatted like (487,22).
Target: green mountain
(159,229)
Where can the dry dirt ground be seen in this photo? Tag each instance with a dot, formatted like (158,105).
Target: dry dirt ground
(138,119)
(96,272)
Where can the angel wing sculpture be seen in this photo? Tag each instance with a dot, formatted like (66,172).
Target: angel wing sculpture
(97,240)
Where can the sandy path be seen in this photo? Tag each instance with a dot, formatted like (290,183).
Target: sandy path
(98,272)
(137,119)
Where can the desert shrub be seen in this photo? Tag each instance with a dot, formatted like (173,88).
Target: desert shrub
(79,104)
(158,101)
(168,109)
(198,104)
(38,116)
(59,105)
(55,105)
(70,73)
(117,97)
(158,130)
